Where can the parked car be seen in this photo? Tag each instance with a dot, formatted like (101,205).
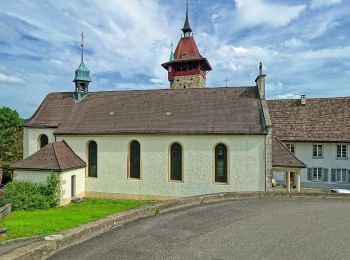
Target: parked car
(340,191)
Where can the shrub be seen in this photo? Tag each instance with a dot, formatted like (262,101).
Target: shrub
(29,196)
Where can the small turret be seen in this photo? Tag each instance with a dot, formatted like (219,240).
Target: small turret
(82,75)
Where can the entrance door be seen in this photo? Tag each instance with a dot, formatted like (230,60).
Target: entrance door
(73,184)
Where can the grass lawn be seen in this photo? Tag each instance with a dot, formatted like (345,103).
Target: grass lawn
(39,222)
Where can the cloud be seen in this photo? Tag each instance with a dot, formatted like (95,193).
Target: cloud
(294,43)
(10,79)
(287,96)
(260,12)
(317,4)
(304,50)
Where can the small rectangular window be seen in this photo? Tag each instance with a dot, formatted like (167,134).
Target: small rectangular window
(341,151)
(317,150)
(317,174)
(341,175)
(291,148)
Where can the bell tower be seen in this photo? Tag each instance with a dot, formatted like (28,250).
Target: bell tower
(187,68)
(82,75)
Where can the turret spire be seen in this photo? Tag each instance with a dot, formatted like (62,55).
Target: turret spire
(82,75)
(187,28)
(82,46)
(172,57)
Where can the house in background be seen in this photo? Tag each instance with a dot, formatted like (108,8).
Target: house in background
(154,144)
(316,130)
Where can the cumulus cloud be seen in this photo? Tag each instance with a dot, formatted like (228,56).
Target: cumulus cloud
(287,96)
(260,12)
(317,4)
(10,79)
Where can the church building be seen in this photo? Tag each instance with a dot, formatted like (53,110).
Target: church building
(154,144)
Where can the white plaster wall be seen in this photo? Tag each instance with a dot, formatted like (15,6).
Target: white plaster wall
(30,139)
(247,164)
(66,186)
(304,151)
(31,176)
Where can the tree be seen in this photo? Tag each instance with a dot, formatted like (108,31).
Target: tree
(11,135)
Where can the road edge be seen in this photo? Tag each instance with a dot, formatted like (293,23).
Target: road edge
(41,249)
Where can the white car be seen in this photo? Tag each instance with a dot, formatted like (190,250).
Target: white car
(340,191)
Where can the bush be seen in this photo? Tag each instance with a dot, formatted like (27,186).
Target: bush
(29,196)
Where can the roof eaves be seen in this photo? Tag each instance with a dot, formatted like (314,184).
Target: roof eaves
(291,153)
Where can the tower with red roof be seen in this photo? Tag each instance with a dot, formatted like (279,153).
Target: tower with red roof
(187,68)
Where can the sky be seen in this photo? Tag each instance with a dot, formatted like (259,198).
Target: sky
(303,44)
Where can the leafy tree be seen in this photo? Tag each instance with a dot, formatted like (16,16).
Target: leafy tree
(11,136)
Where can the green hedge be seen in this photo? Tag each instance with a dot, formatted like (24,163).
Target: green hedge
(30,196)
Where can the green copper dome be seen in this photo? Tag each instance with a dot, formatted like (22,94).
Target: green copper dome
(82,73)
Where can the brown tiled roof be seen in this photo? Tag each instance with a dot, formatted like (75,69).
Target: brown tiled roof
(282,157)
(320,120)
(184,111)
(56,156)
(187,49)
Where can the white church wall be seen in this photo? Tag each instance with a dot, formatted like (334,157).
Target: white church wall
(246,169)
(66,185)
(30,139)
(65,181)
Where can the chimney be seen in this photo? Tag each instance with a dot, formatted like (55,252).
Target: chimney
(303,100)
(260,82)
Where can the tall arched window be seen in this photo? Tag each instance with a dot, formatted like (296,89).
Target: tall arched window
(176,162)
(221,163)
(43,140)
(134,160)
(92,159)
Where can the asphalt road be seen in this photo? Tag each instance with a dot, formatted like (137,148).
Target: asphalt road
(277,228)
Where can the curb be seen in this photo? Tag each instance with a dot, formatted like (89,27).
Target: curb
(41,249)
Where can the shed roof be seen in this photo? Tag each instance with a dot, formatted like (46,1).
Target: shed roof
(282,157)
(56,156)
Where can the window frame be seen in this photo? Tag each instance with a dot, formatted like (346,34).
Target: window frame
(88,159)
(170,163)
(129,161)
(228,174)
(291,147)
(342,172)
(40,143)
(320,174)
(318,155)
(342,148)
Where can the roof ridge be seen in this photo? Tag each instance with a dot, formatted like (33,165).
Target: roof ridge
(290,151)
(54,151)
(161,89)
(296,99)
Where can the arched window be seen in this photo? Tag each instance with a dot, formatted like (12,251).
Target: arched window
(43,140)
(221,163)
(176,162)
(92,159)
(134,160)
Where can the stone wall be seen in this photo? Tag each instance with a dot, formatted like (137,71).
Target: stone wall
(191,81)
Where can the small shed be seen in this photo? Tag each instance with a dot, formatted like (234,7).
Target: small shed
(286,162)
(56,158)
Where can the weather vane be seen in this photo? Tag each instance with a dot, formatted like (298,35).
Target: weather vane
(82,46)
(226,80)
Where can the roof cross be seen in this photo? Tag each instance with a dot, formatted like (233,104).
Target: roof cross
(226,80)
